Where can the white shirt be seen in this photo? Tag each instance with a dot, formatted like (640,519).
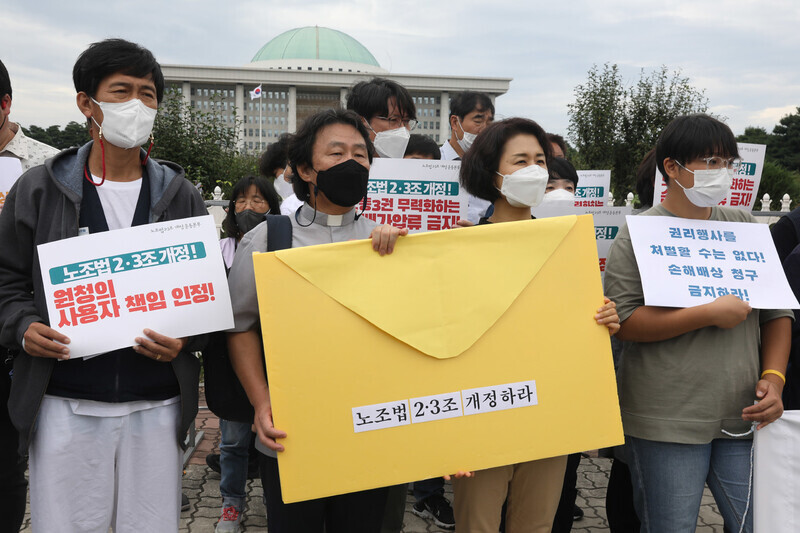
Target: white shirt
(30,152)
(290,205)
(477,206)
(119,199)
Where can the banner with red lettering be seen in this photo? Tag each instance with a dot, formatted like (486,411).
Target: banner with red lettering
(418,194)
(103,289)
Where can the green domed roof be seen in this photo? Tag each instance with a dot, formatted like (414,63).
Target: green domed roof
(313,42)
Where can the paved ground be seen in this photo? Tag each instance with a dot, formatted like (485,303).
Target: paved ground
(201,485)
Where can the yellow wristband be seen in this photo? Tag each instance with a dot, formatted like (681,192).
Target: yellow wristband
(770,371)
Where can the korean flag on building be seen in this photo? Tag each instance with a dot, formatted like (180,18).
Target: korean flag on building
(255,93)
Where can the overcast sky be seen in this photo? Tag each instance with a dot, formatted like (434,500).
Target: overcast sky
(745,54)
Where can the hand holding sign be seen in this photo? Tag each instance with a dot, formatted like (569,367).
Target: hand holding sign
(159,347)
(43,341)
(728,311)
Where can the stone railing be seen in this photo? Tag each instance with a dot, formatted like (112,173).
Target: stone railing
(216,206)
(765,215)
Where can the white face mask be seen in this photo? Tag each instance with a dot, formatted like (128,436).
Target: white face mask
(126,124)
(559,195)
(525,187)
(392,143)
(465,142)
(283,188)
(710,186)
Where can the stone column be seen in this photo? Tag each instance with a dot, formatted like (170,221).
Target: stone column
(292,109)
(444,118)
(240,113)
(343,97)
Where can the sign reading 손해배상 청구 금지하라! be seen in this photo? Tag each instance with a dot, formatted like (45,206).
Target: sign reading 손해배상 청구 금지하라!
(685,262)
(458,336)
(745,180)
(418,194)
(103,289)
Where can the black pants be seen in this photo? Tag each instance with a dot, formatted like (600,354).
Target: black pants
(12,467)
(619,500)
(565,514)
(358,512)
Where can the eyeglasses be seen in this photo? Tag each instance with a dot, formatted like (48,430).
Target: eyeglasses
(716,163)
(397,122)
(256,202)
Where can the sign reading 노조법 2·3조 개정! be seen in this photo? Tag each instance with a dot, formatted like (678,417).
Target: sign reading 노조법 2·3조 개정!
(684,262)
(418,194)
(104,289)
(746,179)
(593,187)
(10,170)
(607,222)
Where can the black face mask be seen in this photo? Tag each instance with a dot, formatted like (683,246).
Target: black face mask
(248,219)
(344,184)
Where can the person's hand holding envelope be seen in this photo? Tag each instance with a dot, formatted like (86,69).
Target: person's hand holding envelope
(461,351)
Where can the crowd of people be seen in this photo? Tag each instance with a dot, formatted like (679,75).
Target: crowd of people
(103,436)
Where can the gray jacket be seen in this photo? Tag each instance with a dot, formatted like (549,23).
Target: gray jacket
(44,206)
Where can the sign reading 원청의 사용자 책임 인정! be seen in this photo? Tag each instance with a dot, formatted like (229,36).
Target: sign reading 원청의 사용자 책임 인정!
(104,289)
(418,194)
(746,179)
(685,262)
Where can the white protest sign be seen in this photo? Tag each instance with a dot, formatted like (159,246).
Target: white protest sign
(103,289)
(593,188)
(776,475)
(10,170)
(684,262)
(745,181)
(607,222)
(418,194)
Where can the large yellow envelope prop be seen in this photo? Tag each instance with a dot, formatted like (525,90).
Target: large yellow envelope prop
(446,312)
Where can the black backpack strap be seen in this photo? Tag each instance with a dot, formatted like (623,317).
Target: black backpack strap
(279,232)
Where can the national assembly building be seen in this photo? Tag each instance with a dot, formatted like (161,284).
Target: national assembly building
(305,70)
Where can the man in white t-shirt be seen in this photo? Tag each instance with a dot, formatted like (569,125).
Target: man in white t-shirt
(103,434)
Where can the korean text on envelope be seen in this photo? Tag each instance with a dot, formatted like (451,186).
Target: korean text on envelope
(463,350)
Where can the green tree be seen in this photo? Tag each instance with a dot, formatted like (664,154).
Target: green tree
(785,145)
(613,126)
(40,134)
(202,143)
(755,135)
(776,180)
(73,134)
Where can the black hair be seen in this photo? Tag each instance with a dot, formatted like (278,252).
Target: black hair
(264,187)
(559,168)
(559,140)
(301,145)
(5,81)
(275,156)
(113,56)
(466,102)
(645,178)
(481,161)
(423,145)
(370,98)
(689,137)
